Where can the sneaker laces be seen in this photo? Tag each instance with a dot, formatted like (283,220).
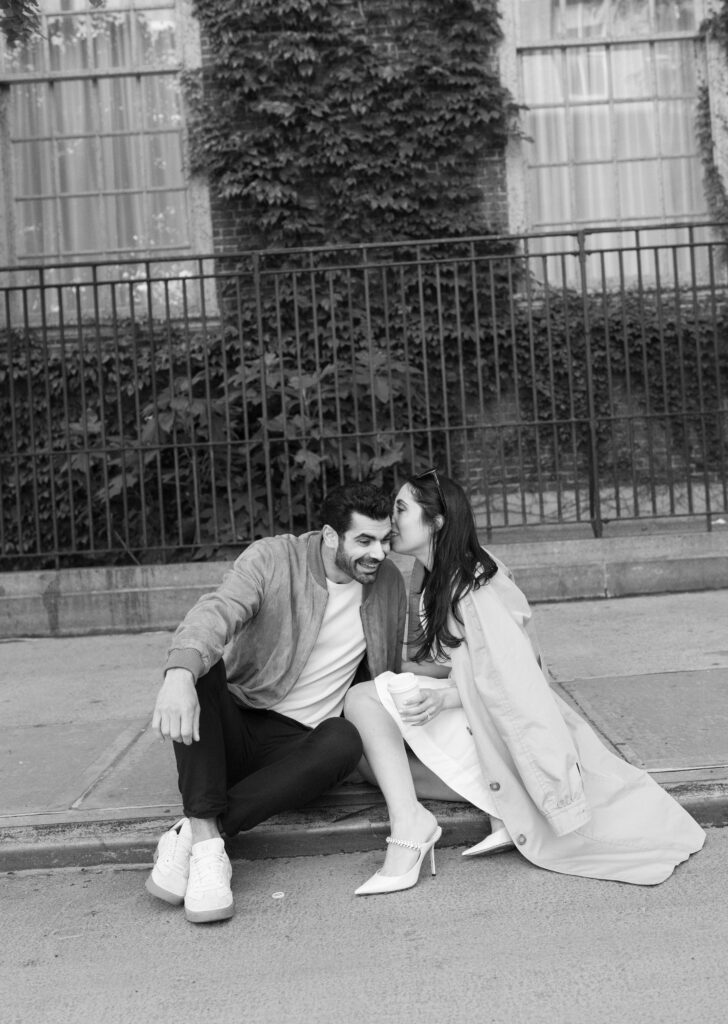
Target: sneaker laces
(168,852)
(210,870)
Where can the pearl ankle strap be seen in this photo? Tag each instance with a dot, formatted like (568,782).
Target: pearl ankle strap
(403,842)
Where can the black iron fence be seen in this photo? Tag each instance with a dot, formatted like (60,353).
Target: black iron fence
(153,411)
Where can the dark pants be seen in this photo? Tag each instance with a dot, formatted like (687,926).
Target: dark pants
(249,765)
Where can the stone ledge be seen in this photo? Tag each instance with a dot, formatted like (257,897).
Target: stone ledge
(131,599)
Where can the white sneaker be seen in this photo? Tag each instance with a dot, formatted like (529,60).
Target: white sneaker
(168,880)
(209,896)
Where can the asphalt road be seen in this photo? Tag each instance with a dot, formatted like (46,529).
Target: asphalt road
(488,941)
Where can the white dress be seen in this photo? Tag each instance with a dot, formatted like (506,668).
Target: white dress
(444,744)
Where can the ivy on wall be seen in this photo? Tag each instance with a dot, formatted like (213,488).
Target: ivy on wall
(715,191)
(329,122)
(715,27)
(19,20)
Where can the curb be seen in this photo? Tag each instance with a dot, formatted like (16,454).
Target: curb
(128,843)
(132,843)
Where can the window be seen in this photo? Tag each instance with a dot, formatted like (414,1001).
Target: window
(611,87)
(94,133)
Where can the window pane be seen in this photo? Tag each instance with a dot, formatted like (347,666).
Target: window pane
(31,111)
(157,44)
(70,43)
(683,187)
(33,168)
(579,19)
(542,78)
(594,193)
(168,222)
(164,160)
(127,225)
(631,18)
(635,129)
(36,227)
(547,128)
(675,15)
(122,161)
(120,104)
(675,67)
(587,73)
(639,186)
(113,40)
(77,166)
(677,135)
(550,188)
(82,231)
(74,107)
(592,133)
(631,76)
(160,102)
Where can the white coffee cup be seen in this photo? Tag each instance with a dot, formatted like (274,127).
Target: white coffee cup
(403,688)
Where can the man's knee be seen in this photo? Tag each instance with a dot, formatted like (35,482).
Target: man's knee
(340,738)
(214,679)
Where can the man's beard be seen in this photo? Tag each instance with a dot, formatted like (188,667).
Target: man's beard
(356,567)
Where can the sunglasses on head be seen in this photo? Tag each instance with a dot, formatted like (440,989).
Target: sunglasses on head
(433,474)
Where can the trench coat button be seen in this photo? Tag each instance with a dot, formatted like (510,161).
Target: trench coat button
(521,840)
(495,786)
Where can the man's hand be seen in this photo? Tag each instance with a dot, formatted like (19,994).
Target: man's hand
(177,711)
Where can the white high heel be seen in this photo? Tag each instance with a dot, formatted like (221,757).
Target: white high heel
(496,842)
(379,883)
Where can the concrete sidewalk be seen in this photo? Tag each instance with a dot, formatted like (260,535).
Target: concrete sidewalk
(86,782)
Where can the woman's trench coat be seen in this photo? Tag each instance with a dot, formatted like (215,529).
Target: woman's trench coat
(519,752)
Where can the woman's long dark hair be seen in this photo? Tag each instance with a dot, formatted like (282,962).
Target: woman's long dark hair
(459,564)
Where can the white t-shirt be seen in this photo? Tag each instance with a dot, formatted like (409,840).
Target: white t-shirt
(327,675)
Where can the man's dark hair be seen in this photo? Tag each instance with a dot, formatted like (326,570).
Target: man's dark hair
(342,502)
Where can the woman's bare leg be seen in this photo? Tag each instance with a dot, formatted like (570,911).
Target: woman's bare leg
(386,756)
(428,785)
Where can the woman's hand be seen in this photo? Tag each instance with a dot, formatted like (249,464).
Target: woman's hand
(420,712)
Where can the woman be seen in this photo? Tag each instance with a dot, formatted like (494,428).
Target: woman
(489,727)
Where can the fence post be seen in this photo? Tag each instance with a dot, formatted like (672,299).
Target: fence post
(595,511)
(264,425)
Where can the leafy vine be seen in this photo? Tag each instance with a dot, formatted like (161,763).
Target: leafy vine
(327,122)
(715,191)
(714,27)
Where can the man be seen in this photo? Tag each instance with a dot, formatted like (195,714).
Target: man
(255,682)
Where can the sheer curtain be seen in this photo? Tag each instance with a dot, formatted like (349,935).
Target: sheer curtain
(617,124)
(97,161)
(611,113)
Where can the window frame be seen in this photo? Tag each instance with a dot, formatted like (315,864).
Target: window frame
(196,216)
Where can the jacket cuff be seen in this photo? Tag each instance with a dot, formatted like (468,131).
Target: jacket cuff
(186,657)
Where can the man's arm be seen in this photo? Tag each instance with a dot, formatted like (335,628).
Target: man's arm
(199,641)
